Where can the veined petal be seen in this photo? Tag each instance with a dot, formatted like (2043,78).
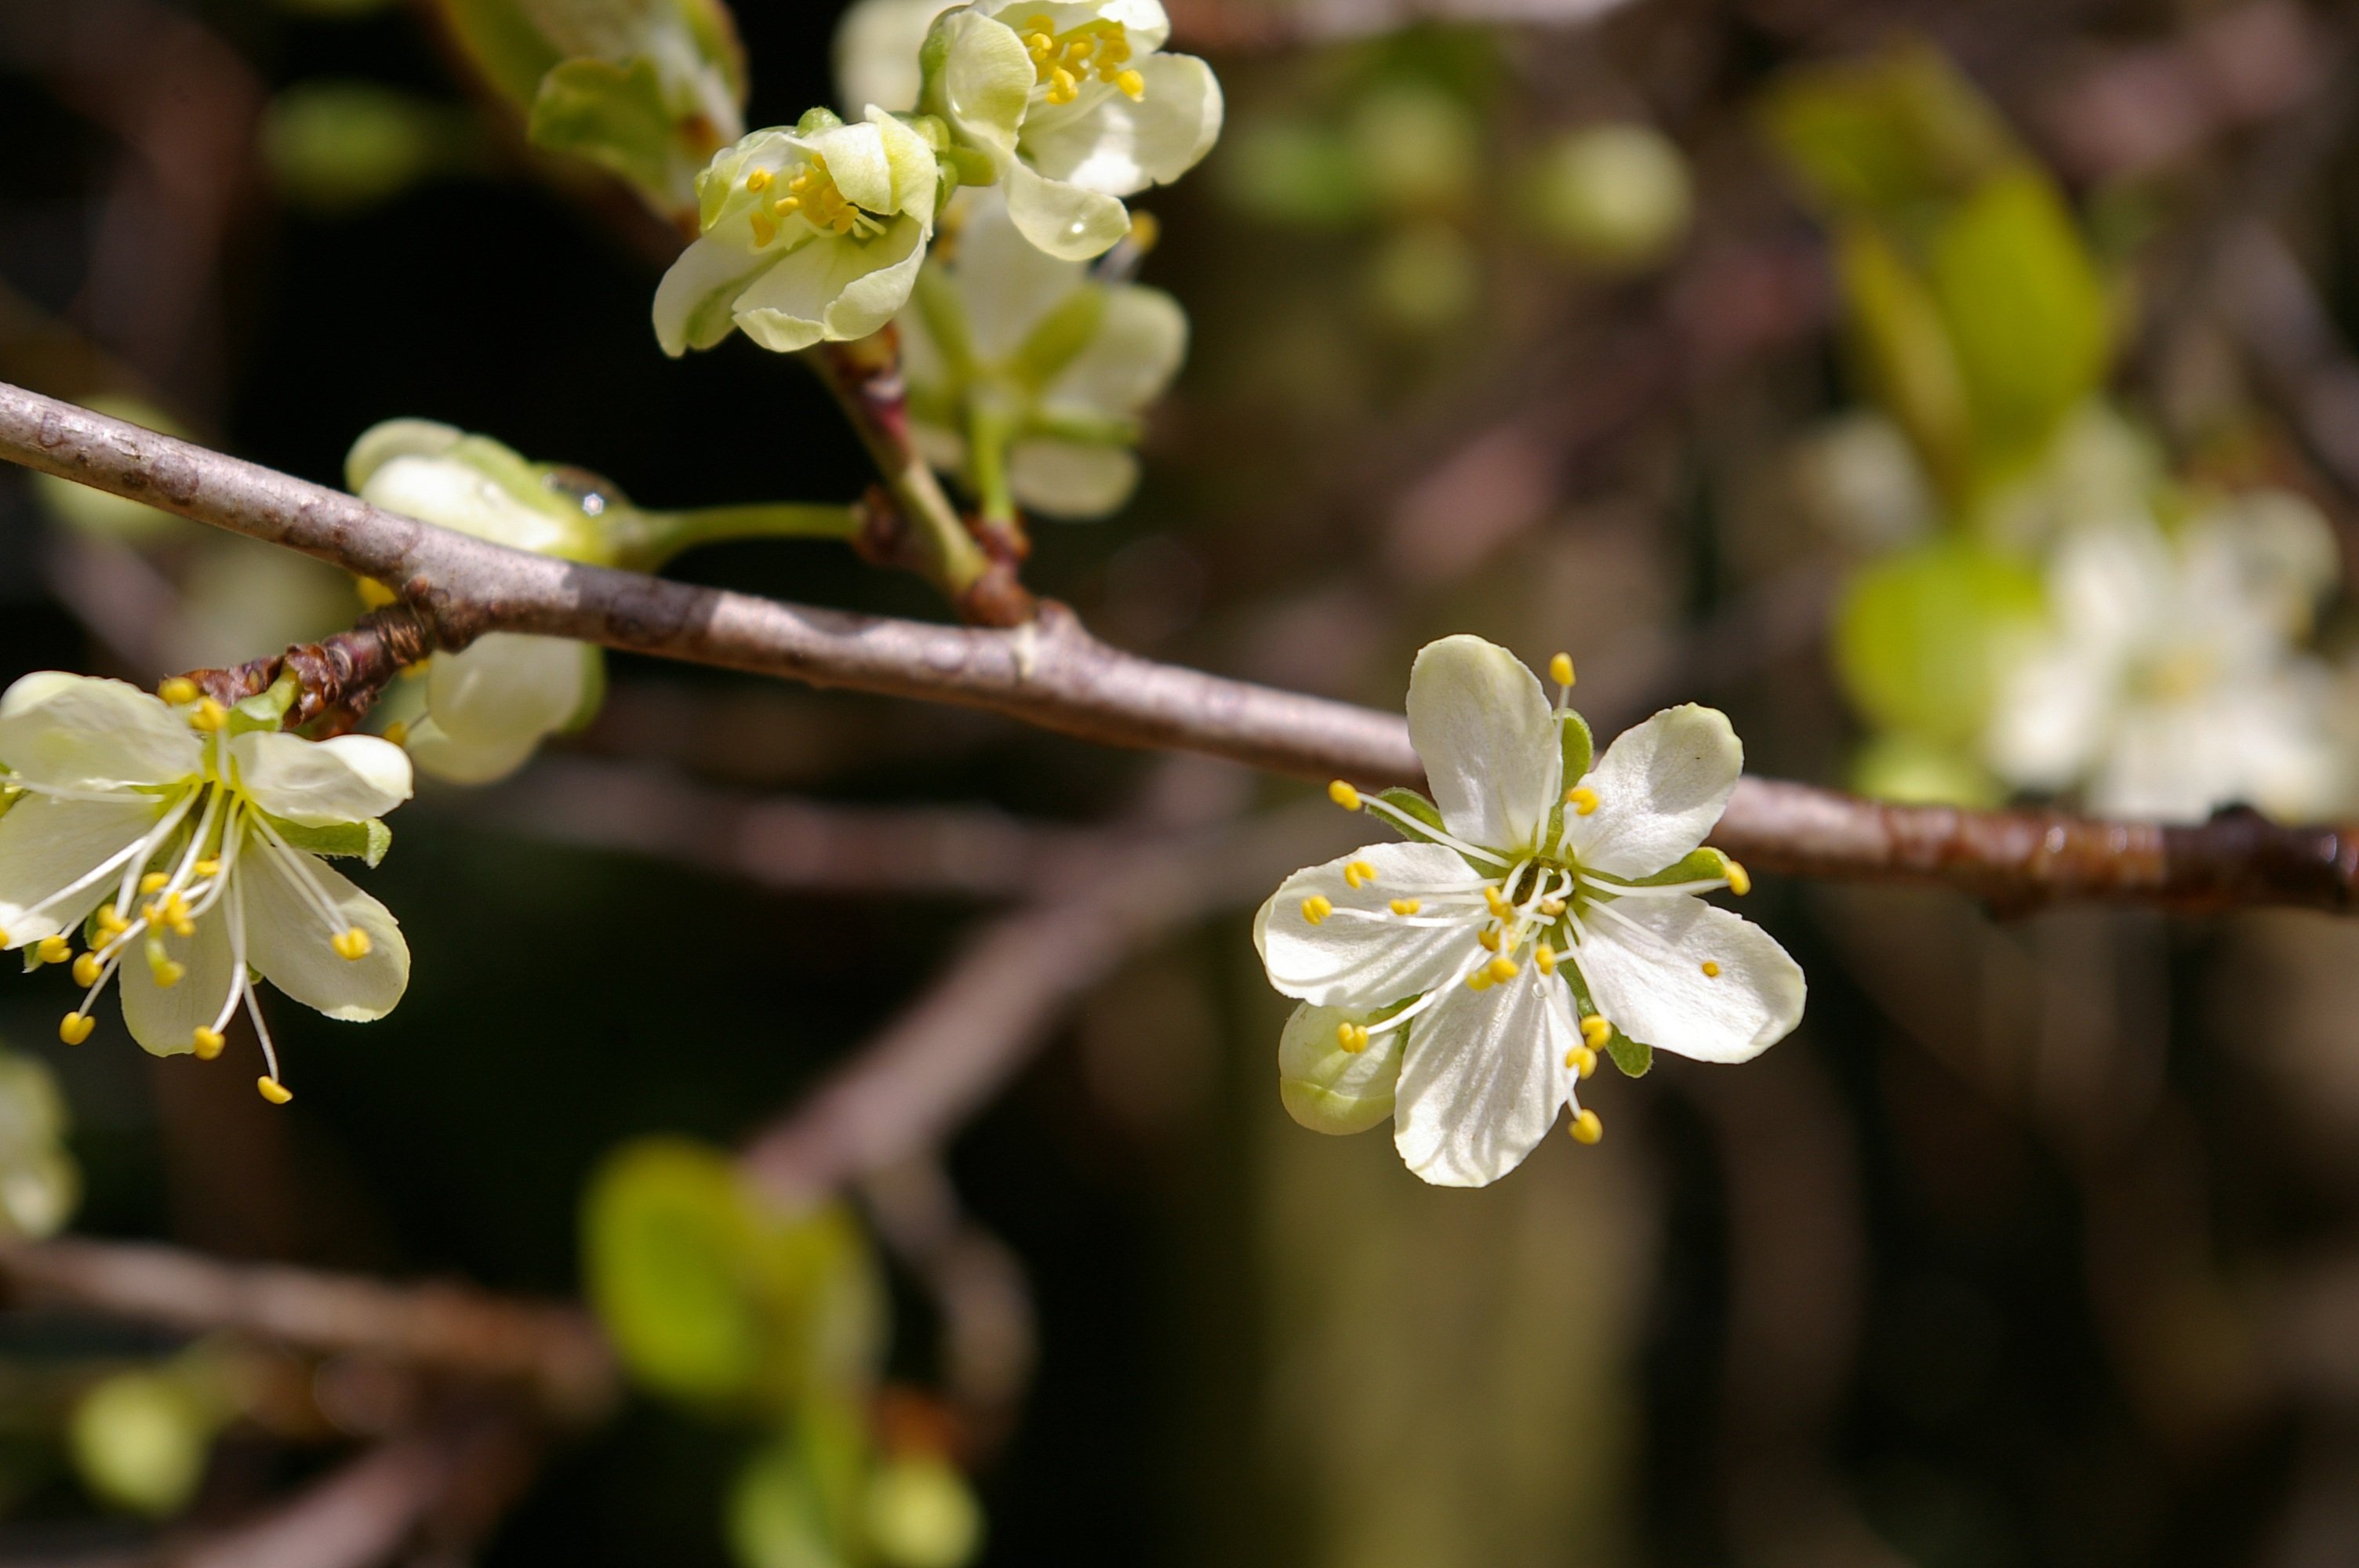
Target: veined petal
(1362,955)
(81,732)
(856,162)
(1644,961)
(1068,481)
(320,784)
(1130,359)
(1488,738)
(48,844)
(287,936)
(693,302)
(505,686)
(1063,219)
(832,288)
(1106,142)
(1660,789)
(1327,1088)
(1482,1078)
(165,1020)
(445,756)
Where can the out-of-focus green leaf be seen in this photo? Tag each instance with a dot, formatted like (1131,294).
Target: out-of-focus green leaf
(39,1183)
(614,116)
(712,1297)
(921,1514)
(1907,767)
(1299,175)
(1922,638)
(1886,135)
(1905,352)
(797,1502)
(139,1440)
(1615,198)
(337,146)
(2025,313)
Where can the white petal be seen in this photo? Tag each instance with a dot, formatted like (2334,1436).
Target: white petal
(1105,141)
(1006,283)
(1488,739)
(467,762)
(1650,981)
(452,493)
(1327,1088)
(1349,961)
(986,80)
(693,302)
(1482,1079)
(832,288)
(876,46)
(49,845)
(1131,359)
(1659,787)
(287,937)
(320,784)
(506,686)
(165,1020)
(81,732)
(1064,478)
(1063,219)
(2052,715)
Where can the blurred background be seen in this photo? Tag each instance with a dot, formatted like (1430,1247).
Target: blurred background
(1960,395)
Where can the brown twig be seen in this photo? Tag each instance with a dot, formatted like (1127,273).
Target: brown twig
(552,1352)
(339,677)
(1054,674)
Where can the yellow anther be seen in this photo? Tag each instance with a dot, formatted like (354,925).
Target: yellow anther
(1498,902)
(375,595)
(1479,980)
(1062,88)
(1317,908)
(209,716)
(1586,1127)
(208,868)
(1352,1037)
(418,671)
(759,181)
(1581,1060)
(1545,956)
(208,1043)
(278,1093)
(1711,970)
(1080,49)
(787,206)
(168,973)
(177,916)
(1405,906)
(110,919)
(1343,795)
(1581,798)
(1145,230)
(397,733)
(1551,907)
(1133,85)
(1561,669)
(1489,937)
(4,943)
(75,1027)
(1596,1031)
(179,689)
(1039,23)
(53,949)
(153,882)
(1739,880)
(1501,968)
(352,944)
(1359,873)
(87,968)
(765,229)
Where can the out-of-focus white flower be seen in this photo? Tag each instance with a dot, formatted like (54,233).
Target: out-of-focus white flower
(2170,684)
(39,1183)
(810,235)
(1027,374)
(489,706)
(876,46)
(183,841)
(1075,106)
(1482,962)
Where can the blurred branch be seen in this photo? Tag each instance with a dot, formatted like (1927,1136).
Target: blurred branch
(552,1351)
(1054,674)
(1240,25)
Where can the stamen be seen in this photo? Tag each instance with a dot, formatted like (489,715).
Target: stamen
(154,881)
(1405,906)
(1551,907)
(1581,798)
(1500,968)
(87,968)
(278,1093)
(1343,795)
(209,1042)
(178,691)
(1545,956)
(53,949)
(1352,1037)
(1711,970)
(209,716)
(1581,1060)
(1596,1031)
(352,944)
(1561,669)
(1586,1127)
(1133,85)
(397,733)
(208,868)
(1359,873)
(1498,905)
(1317,907)
(1739,880)
(759,181)
(1489,937)
(75,1027)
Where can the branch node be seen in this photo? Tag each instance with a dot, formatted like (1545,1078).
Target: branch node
(338,679)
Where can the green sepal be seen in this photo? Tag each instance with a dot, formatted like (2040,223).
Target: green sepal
(970,165)
(1633,1056)
(1580,747)
(931,127)
(1696,866)
(1411,803)
(264,709)
(816,120)
(612,116)
(364,841)
(1080,429)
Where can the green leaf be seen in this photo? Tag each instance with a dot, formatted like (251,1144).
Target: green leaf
(795,1503)
(1922,638)
(1904,352)
(2025,313)
(139,1440)
(364,841)
(614,116)
(1901,766)
(1631,1056)
(712,1297)
(502,43)
(1884,136)
(1411,803)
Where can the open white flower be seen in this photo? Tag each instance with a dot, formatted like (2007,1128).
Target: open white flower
(183,841)
(1026,375)
(2171,684)
(1528,926)
(812,234)
(1075,106)
(488,708)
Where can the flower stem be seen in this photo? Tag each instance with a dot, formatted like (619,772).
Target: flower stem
(987,436)
(664,535)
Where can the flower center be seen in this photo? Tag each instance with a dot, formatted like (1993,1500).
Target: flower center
(810,194)
(1062,62)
